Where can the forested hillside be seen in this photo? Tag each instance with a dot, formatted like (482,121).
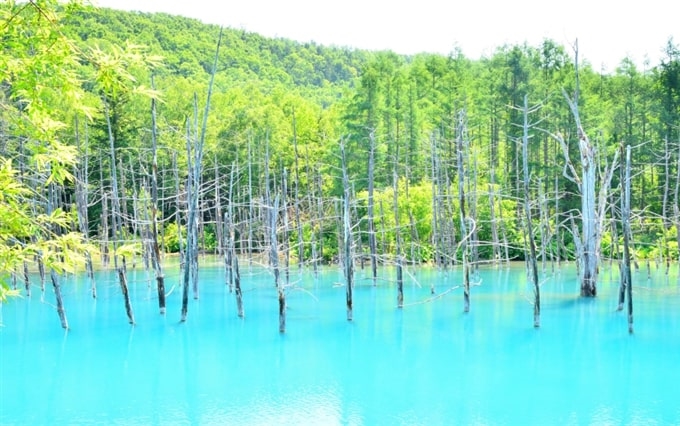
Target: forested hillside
(96,105)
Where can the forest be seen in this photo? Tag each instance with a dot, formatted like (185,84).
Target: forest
(126,137)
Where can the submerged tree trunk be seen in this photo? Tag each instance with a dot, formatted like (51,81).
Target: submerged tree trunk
(400,282)
(155,248)
(397,229)
(60,302)
(237,285)
(27,281)
(191,194)
(435,204)
(115,194)
(274,262)
(81,175)
(194,163)
(592,209)
(495,242)
(51,205)
(372,244)
(229,235)
(348,262)
(286,227)
(122,278)
(298,219)
(251,203)
(533,264)
(41,271)
(461,148)
(664,253)
(626,278)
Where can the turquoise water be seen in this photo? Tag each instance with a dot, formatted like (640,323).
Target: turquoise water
(426,364)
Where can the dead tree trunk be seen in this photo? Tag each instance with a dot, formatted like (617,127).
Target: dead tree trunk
(664,253)
(194,163)
(397,230)
(434,155)
(219,227)
(178,212)
(372,244)
(115,200)
(274,262)
(626,278)
(81,175)
(51,205)
(155,248)
(318,245)
(122,278)
(60,302)
(27,281)
(624,281)
(104,244)
(358,240)
(229,234)
(461,148)
(41,271)
(592,209)
(348,261)
(533,264)
(251,205)
(191,195)
(474,236)
(237,285)
(231,258)
(495,243)
(286,227)
(544,225)
(297,202)
(116,221)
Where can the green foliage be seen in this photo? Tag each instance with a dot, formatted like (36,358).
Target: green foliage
(171,240)
(417,202)
(209,240)
(40,93)
(292,103)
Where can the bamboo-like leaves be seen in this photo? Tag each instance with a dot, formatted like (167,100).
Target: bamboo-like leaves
(113,70)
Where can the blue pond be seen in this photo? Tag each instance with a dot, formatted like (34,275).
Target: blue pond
(426,364)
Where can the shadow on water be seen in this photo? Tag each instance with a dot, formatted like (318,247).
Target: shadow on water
(569,301)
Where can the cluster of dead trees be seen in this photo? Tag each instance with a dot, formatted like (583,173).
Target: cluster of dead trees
(256,210)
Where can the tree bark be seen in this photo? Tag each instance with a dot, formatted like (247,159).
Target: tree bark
(533,263)
(592,209)
(194,163)
(122,278)
(155,248)
(237,286)
(297,201)
(626,278)
(27,281)
(397,229)
(348,261)
(460,149)
(81,175)
(60,302)
(274,262)
(372,244)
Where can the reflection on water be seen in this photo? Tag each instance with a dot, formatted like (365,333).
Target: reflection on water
(426,364)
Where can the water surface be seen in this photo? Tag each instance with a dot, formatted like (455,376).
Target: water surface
(426,364)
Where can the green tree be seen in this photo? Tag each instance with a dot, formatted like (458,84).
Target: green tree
(40,93)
